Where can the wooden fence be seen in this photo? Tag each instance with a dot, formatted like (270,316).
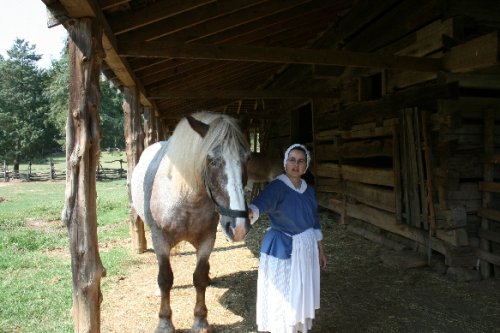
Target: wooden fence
(51,173)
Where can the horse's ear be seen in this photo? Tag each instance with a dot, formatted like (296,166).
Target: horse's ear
(198,126)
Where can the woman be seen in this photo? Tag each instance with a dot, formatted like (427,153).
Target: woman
(292,250)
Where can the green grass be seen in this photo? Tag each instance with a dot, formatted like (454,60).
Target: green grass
(35,268)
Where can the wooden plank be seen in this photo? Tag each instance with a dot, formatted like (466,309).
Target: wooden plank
(385,221)
(491,158)
(383,177)
(473,105)
(328,170)
(398,21)
(490,235)
(413,210)
(187,19)
(162,93)
(489,213)
(360,15)
(375,196)
(355,149)
(156,49)
(362,131)
(489,257)
(396,166)
(330,185)
(389,106)
(85,8)
(489,187)
(124,21)
(478,53)
(472,79)
(489,148)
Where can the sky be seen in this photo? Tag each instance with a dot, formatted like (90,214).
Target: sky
(27,19)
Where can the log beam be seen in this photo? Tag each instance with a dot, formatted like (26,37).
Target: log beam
(134,141)
(155,49)
(82,154)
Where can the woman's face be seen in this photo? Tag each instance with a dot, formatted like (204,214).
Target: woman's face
(296,163)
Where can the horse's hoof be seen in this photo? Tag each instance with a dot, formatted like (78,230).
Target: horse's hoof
(165,326)
(201,326)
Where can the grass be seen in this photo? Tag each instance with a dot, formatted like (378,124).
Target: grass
(36,283)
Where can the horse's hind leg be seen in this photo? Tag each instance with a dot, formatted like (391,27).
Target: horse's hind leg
(200,282)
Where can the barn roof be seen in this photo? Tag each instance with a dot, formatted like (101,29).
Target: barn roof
(230,55)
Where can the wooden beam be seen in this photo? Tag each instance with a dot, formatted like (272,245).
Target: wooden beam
(390,106)
(124,21)
(86,8)
(478,53)
(493,187)
(82,150)
(240,94)
(214,18)
(155,49)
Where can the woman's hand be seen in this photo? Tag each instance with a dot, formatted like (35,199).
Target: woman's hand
(250,214)
(322,256)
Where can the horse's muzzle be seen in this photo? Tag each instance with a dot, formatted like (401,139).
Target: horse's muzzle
(235,229)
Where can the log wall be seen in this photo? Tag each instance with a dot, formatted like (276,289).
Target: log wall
(418,160)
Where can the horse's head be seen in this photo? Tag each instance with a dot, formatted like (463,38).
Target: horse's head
(225,178)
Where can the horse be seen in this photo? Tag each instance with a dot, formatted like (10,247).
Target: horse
(181,188)
(262,168)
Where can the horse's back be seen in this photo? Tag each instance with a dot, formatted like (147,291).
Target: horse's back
(142,179)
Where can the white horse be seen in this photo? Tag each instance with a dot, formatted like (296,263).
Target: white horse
(179,186)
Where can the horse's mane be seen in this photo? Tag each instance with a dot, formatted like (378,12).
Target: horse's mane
(187,150)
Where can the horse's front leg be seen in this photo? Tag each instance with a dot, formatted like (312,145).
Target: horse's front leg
(200,282)
(165,282)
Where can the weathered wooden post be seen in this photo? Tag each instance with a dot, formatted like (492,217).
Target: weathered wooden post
(52,170)
(149,127)
(82,153)
(28,178)
(5,174)
(134,145)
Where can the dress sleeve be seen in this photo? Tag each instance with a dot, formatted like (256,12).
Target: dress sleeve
(269,198)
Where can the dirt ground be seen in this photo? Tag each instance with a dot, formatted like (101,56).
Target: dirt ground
(360,293)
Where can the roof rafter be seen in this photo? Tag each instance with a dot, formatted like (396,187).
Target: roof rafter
(155,49)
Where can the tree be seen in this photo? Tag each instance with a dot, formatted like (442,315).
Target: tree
(110,109)
(111,116)
(57,93)
(25,129)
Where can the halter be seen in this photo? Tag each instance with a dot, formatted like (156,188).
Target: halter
(223,210)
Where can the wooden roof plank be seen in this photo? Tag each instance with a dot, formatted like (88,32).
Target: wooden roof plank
(121,22)
(276,54)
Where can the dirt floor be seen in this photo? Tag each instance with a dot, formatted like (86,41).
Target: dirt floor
(361,292)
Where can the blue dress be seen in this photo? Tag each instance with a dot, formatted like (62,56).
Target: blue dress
(290,211)
(288,278)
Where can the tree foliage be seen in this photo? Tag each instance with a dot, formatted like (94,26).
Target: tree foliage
(34,106)
(110,109)
(25,129)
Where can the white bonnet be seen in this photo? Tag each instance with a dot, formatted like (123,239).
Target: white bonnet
(297,145)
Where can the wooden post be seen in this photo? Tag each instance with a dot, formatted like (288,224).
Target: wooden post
(160,134)
(5,174)
(52,170)
(488,176)
(149,127)
(29,171)
(134,146)
(82,153)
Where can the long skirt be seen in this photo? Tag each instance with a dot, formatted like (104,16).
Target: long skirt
(288,289)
